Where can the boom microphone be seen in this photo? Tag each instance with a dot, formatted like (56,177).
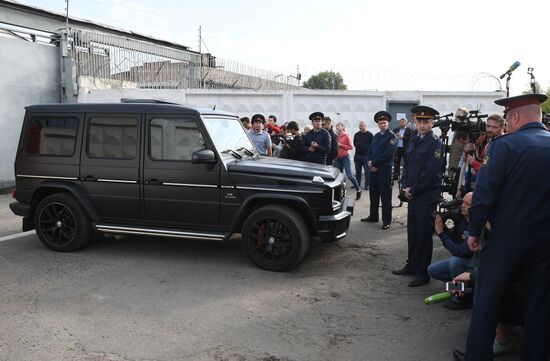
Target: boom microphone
(512,68)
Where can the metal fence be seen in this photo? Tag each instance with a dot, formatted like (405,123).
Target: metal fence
(153,66)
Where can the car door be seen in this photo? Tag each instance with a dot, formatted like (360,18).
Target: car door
(109,167)
(175,191)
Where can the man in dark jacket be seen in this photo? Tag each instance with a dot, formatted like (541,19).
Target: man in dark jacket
(380,156)
(511,193)
(362,141)
(316,144)
(333,153)
(403,134)
(424,162)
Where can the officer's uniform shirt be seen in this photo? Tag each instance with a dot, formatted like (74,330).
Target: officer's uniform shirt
(382,149)
(322,138)
(261,140)
(513,186)
(424,163)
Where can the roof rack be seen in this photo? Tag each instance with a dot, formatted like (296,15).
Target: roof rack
(156,101)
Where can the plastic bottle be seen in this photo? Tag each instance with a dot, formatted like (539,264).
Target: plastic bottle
(438,297)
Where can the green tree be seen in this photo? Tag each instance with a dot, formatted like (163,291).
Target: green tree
(325,80)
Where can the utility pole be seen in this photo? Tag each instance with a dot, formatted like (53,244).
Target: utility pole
(200,39)
(67,16)
(200,55)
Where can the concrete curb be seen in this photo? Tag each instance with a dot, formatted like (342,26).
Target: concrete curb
(17,235)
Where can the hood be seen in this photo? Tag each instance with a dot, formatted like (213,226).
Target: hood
(284,167)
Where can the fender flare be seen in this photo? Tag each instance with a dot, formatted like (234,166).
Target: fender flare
(269,198)
(47,188)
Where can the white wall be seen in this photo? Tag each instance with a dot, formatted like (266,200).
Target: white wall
(347,106)
(29,74)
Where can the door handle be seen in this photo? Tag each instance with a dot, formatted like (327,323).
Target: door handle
(89,178)
(154,181)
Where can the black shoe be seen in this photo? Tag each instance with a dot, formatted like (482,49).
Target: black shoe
(385,226)
(367,188)
(453,304)
(369,219)
(402,271)
(358,195)
(458,355)
(419,281)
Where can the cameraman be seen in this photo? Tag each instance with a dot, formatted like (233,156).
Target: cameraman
(451,267)
(292,142)
(472,164)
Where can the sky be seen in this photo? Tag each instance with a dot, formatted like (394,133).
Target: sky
(375,45)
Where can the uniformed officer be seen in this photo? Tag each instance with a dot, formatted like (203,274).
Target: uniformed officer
(512,192)
(380,160)
(316,143)
(422,171)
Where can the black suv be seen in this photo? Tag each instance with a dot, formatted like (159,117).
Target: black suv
(162,169)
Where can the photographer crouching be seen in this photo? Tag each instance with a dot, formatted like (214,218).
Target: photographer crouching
(455,242)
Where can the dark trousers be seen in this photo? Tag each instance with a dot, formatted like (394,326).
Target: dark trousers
(500,261)
(399,154)
(380,190)
(361,163)
(420,230)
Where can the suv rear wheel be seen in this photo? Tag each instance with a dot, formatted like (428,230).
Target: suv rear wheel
(275,238)
(61,224)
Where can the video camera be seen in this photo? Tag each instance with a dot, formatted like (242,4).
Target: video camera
(471,124)
(277,138)
(449,212)
(546,119)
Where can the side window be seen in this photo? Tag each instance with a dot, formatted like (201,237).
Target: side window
(174,138)
(112,137)
(51,136)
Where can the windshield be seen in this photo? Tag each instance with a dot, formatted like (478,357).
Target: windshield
(227,133)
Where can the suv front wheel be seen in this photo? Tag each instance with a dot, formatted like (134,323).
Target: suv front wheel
(61,224)
(275,238)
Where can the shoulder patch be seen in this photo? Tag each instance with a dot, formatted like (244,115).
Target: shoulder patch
(435,136)
(485,160)
(437,153)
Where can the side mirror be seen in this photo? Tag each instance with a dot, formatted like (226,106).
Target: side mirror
(203,156)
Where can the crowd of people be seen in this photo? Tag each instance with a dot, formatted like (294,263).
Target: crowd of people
(499,244)
(319,143)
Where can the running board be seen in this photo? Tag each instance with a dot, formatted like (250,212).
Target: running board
(158,232)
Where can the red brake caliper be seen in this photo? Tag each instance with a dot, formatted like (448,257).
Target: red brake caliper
(261,233)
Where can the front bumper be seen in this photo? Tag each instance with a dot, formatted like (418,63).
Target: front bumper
(335,227)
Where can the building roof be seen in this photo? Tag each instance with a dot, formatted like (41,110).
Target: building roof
(59,17)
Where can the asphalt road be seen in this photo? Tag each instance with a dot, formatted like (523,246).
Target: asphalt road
(168,299)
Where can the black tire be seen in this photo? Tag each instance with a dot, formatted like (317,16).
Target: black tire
(275,238)
(61,224)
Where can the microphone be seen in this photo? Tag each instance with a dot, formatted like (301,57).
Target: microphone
(512,68)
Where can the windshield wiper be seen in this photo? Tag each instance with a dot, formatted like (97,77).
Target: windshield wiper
(247,151)
(233,153)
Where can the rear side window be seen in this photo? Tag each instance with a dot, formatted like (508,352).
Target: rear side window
(55,136)
(174,139)
(112,137)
